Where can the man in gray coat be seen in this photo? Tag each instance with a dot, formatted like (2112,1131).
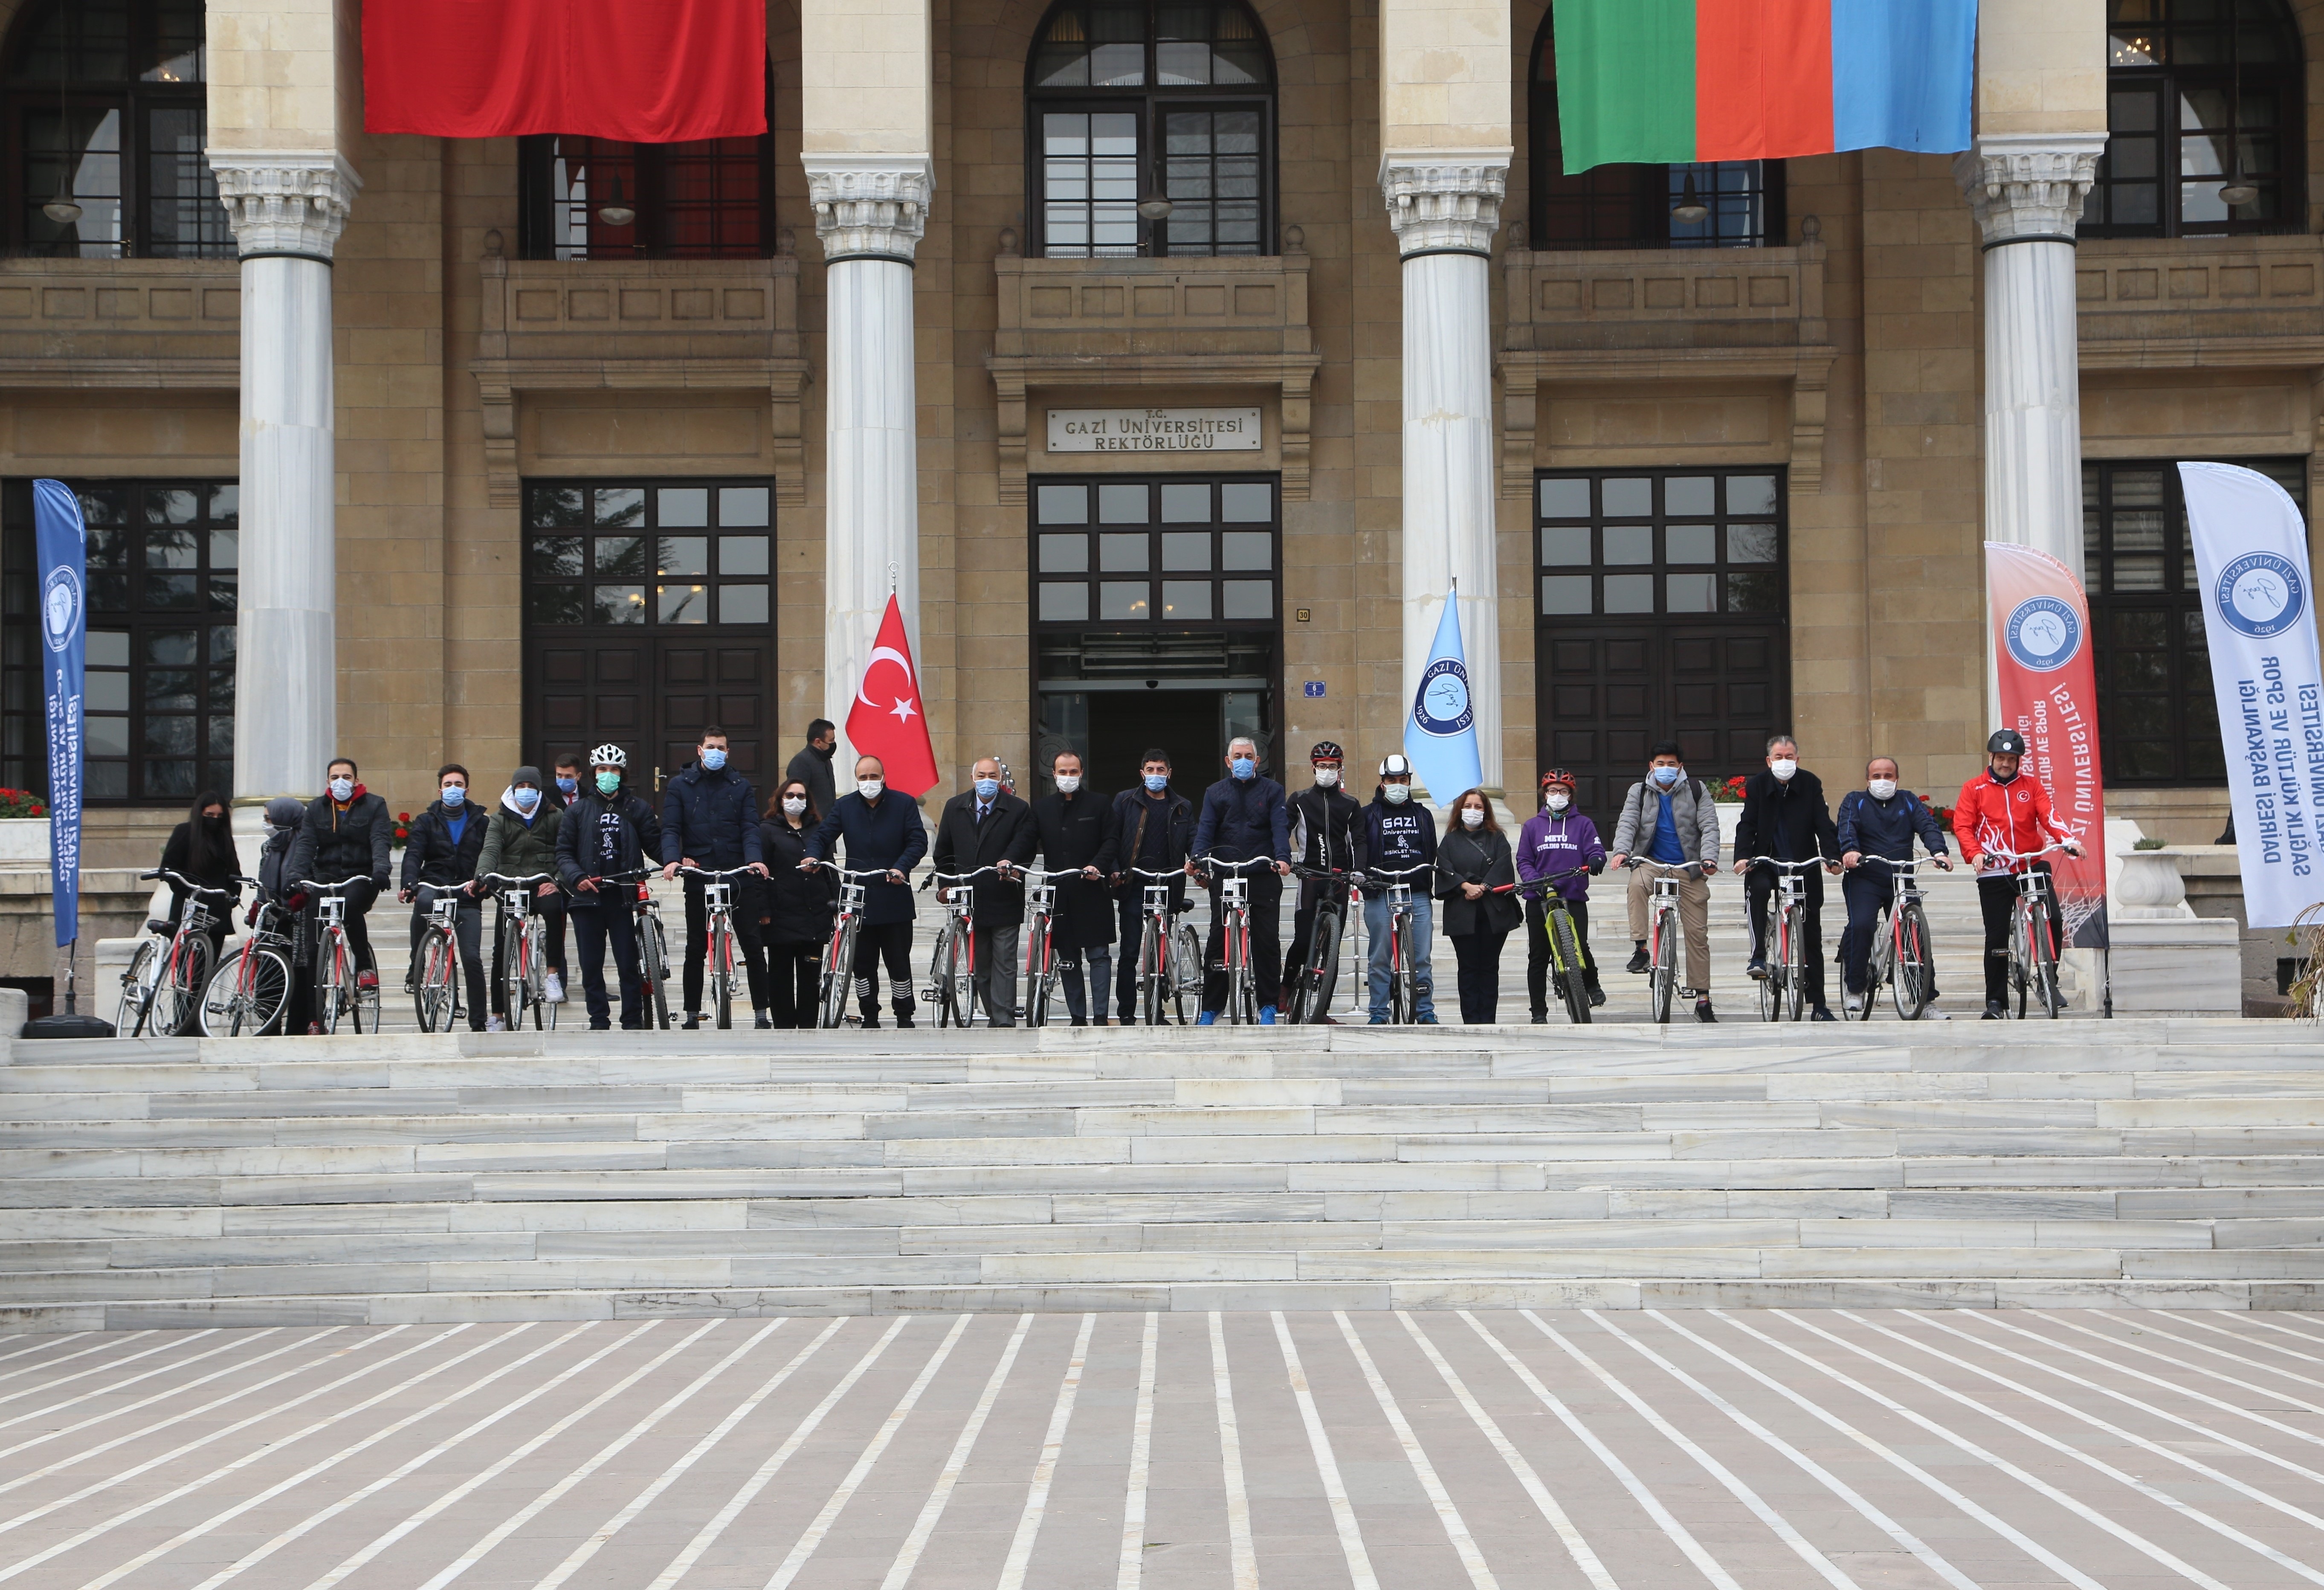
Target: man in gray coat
(1668,820)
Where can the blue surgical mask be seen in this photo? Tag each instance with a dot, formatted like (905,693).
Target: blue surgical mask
(1157,782)
(1666,776)
(567,786)
(456,796)
(986,789)
(713,758)
(1245,768)
(526,799)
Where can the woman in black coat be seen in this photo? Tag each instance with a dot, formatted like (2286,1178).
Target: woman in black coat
(202,849)
(795,907)
(1472,862)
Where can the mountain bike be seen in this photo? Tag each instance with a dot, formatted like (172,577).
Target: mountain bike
(436,978)
(250,992)
(338,995)
(1783,988)
(520,950)
(1170,956)
(161,992)
(1308,990)
(1234,937)
(1900,953)
(952,964)
(839,952)
(2033,946)
(1568,964)
(1403,973)
(1663,931)
(718,923)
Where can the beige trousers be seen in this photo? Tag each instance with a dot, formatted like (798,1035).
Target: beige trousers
(1693,917)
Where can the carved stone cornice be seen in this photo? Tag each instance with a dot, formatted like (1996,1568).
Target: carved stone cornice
(2028,185)
(1444,199)
(285,201)
(870,204)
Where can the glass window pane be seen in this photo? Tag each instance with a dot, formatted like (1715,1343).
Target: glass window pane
(620,505)
(169,690)
(1629,498)
(171,777)
(743,554)
(1122,505)
(1750,543)
(172,648)
(1063,504)
(226,549)
(555,604)
(1247,598)
(1564,593)
(107,692)
(1750,493)
(1246,502)
(682,604)
(1064,554)
(1185,550)
(222,593)
(1691,593)
(1064,601)
(1124,598)
(1755,592)
(621,555)
(1185,503)
(107,737)
(226,503)
(679,507)
(173,546)
(168,736)
(1630,543)
(1630,593)
(743,604)
(677,555)
(108,648)
(554,557)
(220,735)
(620,603)
(1565,545)
(1691,493)
(556,507)
(1246,549)
(1690,543)
(1185,600)
(1565,499)
(741,507)
(109,781)
(1122,554)
(171,592)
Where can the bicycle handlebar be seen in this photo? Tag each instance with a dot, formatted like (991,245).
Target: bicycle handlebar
(707,872)
(850,874)
(1165,873)
(1996,850)
(1668,866)
(188,885)
(1536,885)
(313,886)
(1324,874)
(1399,871)
(1906,866)
(948,880)
(1212,864)
(1794,867)
(505,882)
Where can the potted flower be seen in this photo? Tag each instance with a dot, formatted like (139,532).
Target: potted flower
(23,828)
(403,829)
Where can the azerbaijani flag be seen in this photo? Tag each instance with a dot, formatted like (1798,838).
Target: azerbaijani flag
(1674,81)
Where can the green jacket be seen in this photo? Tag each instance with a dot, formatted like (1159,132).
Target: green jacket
(517,850)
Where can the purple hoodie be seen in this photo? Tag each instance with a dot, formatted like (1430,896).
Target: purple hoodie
(1547,844)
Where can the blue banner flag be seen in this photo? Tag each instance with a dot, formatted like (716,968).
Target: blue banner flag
(1441,735)
(63,543)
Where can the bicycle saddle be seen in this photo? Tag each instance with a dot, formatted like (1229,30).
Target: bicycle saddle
(156,925)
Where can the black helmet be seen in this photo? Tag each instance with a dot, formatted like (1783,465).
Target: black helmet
(1327,751)
(2006,742)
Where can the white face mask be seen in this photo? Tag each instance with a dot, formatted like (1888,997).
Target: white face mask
(1068,782)
(1397,794)
(1882,789)
(870,788)
(1784,768)
(1327,778)
(794,805)
(1558,801)
(343,788)
(1472,817)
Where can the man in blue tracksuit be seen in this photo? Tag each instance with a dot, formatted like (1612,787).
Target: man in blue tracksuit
(883,833)
(1878,820)
(1244,818)
(710,819)
(1398,835)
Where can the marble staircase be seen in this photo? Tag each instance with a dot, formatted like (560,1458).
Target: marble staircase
(405,1178)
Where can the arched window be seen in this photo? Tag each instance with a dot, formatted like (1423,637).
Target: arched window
(1740,201)
(1152,130)
(105,128)
(2205,120)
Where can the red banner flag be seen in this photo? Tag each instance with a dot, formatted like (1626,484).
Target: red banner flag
(646,71)
(2049,694)
(886,720)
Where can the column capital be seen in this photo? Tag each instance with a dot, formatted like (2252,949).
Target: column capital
(1442,199)
(292,201)
(872,205)
(2023,185)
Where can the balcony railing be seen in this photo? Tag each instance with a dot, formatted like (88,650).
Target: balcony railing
(136,323)
(2200,300)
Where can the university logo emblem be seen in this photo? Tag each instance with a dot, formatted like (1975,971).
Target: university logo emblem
(2044,634)
(60,608)
(2260,595)
(1442,705)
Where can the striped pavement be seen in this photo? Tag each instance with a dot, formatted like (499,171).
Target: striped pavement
(1575,1450)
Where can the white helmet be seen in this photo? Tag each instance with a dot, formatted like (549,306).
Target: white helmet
(609,756)
(1396,765)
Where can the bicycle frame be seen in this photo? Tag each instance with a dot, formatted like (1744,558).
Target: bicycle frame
(2033,946)
(521,923)
(1892,948)
(1555,912)
(1160,984)
(1404,991)
(1234,937)
(953,991)
(1662,928)
(1782,992)
(718,914)
(336,994)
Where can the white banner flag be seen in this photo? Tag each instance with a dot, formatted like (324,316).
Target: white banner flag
(2259,615)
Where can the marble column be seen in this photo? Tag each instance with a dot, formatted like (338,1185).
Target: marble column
(1444,206)
(870,211)
(286,209)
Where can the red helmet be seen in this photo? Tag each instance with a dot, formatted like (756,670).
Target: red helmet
(1557,775)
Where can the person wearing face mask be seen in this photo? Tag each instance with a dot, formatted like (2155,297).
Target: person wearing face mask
(1558,840)
(795,906)
(569,780)
(202,849)
(2006,807)
(1786,817)
(985,825)
(348,838)
(883,830)
(520,841)
(1668,820)
(1077,834)
(1155,829)
(441,853)
(1325,823)
(1878,820)
(1244,818)
(608,830)
(285,815)
(1475,878)
(1398,834)
(710,819)
(811,765)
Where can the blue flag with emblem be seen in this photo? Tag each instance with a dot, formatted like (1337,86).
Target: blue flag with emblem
(61,544)
(1441,735)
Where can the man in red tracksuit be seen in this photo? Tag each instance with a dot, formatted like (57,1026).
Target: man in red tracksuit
(2003,810)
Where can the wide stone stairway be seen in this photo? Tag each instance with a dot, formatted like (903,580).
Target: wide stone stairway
(403,1177)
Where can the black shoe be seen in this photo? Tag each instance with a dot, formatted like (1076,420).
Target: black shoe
(1702,1010)
(1757,970)
(903,1017)
(1822,1014)
(1597,996)
(1541,1017)
(690,1024)
(870,1023)
(762,1022)
(1638,960)
(1993,1011)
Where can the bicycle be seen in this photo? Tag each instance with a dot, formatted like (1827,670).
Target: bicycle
(1403,977)
(1783,988)
(1568,966)
(1308,992)
(652,948)
(718,914)
(436,986)
(520,950)
(1234,938)
(251,988)
(338,995)
(2033,947)
(161,992)
(1900,953)
(1169,955)
(952,962)
(1040,948)
(1663,931)
(839,953)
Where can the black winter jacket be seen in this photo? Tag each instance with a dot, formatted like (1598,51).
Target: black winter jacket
(590,826)
(334,846)
(1789,821)
(794,907)
(1885,828)
(1482,857)
(964,844)
(225,866)
(432,856)
(1244,820)
(1395,837)
(889,835)
(1324,828)
(1162,832)
(1078,831)
(711,817)
(813,768)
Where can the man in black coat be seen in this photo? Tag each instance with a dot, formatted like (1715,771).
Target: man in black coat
(811,765)
(1244,818)
(882,832)
(1326,832)
(985,825)
(439,855)
(710,819)
(1153,827)
(346,837)
(1078,835)
(1785,817)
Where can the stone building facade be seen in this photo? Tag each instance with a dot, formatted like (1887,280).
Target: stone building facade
(510,477)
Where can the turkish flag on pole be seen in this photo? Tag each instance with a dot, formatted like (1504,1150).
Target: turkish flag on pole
(646,71)
(886,720)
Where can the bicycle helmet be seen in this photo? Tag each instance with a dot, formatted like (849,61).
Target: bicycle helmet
(609,756)
(2006,742)
(1326,751)
(1557,775)
(1395,766)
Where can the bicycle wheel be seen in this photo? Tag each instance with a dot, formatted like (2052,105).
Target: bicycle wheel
(1877,961)
(233,1009)
(962,989)
(512,974)
(1565,949)
(334,972)
(2044,971)
(941,978)
(1662,966)
(1795,975)
(722,976)
(176,998)
(1153,974)
(653,969)
(432,995)
(137,991)
(838,963)
(1040,972)
(1401,1007)
(1909,976)
(1186,973)
(1771,994)
(536,979)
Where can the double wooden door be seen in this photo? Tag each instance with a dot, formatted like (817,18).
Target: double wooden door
(653,695)
(1609,692)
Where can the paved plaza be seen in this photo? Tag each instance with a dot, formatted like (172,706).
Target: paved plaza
(1885,1450)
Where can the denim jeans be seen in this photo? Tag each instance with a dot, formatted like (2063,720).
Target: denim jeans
(1375,939)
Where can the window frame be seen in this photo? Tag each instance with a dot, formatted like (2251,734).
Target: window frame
(585,583)
(649,171)
(1660,567)
(1156,571)
(1151,99)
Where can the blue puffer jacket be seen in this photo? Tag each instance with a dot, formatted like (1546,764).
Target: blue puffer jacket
(886,836)
(1885,828)
(1244,820)
(710,816)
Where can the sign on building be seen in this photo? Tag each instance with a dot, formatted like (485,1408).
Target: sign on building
(1154,430)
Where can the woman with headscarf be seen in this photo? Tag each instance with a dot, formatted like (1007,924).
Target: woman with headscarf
(202,849)
(795,908)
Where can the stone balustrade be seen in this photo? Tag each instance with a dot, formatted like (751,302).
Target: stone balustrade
(2157,301)
(120,323)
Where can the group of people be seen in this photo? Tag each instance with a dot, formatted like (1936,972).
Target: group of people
(585,826)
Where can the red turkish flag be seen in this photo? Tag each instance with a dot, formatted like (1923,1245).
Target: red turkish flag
(886,720)
(646,71)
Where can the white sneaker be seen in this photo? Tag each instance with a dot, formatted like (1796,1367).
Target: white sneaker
(554,992)
(497,1024)
(1855,1004)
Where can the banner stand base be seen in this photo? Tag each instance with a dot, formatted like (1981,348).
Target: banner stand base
(70,1023)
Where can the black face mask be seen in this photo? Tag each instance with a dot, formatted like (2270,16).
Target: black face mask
(826,752)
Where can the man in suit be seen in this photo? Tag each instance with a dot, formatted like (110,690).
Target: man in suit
(985,825)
